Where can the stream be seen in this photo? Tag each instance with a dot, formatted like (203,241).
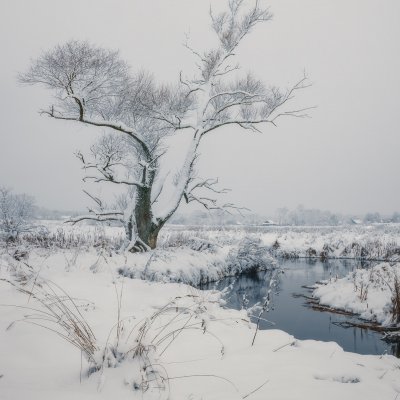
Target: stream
(291,313)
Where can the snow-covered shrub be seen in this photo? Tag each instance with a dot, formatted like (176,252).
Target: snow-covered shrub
(396,298)
(250,254)
(311,253)
(276,245)
(327,252)
(16,214)
(11,265)
(288,254)
(19,253)
(373,250)
(197,241)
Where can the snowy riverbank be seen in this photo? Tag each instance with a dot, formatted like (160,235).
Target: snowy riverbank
(210,358)
(372,293)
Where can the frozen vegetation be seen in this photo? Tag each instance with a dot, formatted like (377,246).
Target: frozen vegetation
(196,255)
(372,293)
(365,242)
(369,242)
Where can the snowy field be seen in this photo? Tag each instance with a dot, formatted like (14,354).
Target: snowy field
(74,325)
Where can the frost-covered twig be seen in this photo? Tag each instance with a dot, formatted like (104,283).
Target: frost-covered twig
(267,301)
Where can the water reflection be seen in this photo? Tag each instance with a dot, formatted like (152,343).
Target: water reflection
(290,314)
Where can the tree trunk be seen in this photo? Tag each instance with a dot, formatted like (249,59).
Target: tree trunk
(153,236)
(146,230)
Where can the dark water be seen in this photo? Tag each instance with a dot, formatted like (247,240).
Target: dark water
(290,314)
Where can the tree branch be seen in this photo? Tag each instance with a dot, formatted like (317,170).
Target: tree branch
(243,123)
(120,127)
(208,184)
(97,217)
(112,180)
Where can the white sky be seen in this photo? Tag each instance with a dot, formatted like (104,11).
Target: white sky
(346,158)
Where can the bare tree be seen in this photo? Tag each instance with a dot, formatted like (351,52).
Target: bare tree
(16,213)
(94,87)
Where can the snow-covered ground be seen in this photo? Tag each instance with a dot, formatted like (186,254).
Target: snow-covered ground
(372,293)
(190,347)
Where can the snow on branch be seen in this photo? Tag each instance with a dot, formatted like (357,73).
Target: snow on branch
(112,216)
(212,204)
(168,105)
(209,184)
(233,25)
(208,202)
(110,156)
(94,86)
(100,215)
(253,106)
(111,179)
(104,124)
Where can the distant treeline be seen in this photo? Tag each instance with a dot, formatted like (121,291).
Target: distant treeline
(300,216)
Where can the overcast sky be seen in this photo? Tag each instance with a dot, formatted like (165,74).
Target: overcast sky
(345,158)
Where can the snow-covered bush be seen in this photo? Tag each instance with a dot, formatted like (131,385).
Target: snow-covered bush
(250,254)
(197,241)
(396,299)
(16,214)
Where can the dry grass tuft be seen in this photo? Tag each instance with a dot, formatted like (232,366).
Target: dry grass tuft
(57,312)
